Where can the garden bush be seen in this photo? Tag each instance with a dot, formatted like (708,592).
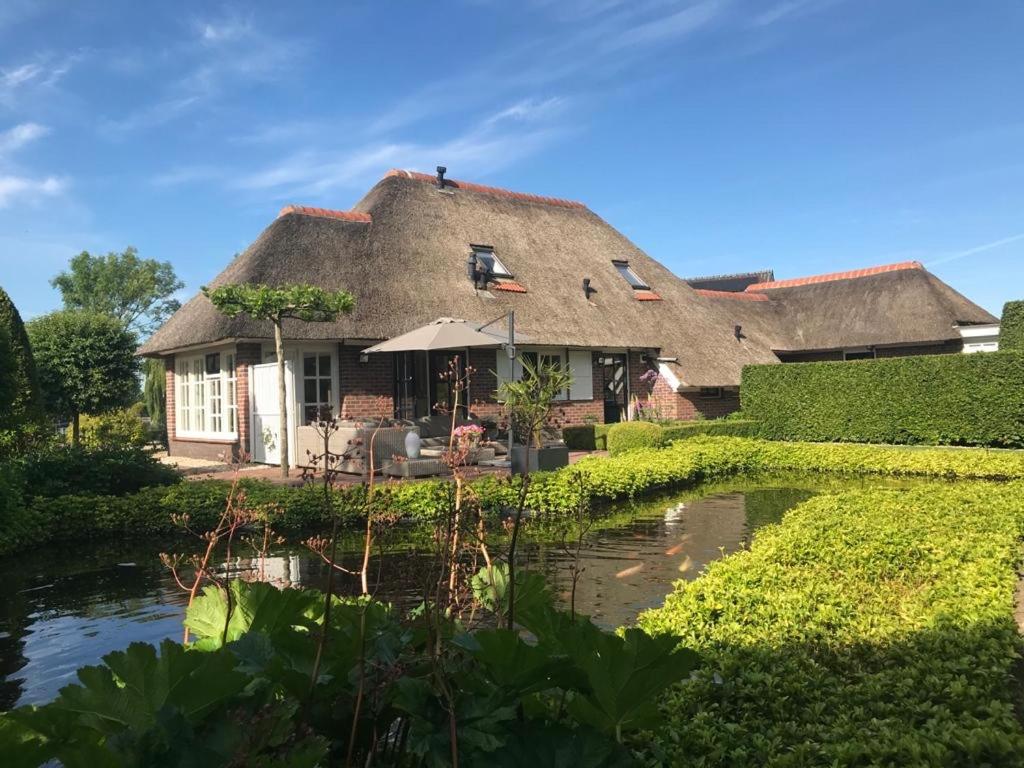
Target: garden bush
(681,430)
(933,400)
(121,428)
(604,479)
(868,628)
(1011,327)
(579,437)
(630,435)
(60,470)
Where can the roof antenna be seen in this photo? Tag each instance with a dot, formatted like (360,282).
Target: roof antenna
(441,171)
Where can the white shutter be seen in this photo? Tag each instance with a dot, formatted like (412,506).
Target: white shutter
(581,368)
(503,368)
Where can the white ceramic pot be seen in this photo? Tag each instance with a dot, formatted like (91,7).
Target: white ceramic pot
(412,444)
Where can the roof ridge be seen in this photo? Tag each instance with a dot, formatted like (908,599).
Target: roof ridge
(473,187)
(832,276)
(327,213)
(750,273)
(740,295)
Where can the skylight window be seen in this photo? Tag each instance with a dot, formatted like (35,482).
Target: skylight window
(630,276)
(486,258)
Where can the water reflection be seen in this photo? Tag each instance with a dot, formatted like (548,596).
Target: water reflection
(66,607)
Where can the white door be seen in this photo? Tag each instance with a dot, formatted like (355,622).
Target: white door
(266,413)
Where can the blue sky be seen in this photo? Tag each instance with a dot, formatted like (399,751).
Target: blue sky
(803,135)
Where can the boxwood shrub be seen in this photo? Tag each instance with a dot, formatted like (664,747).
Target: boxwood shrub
(868,628)
(935,400)
(724,427)
(1011,328)
(586,437)
(630,435)
(606,479)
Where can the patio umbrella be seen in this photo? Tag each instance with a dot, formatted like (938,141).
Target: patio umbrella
(445,333)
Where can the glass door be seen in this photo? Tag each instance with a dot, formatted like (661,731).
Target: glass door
(616,396)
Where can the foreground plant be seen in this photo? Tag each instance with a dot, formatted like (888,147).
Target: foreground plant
(240,694)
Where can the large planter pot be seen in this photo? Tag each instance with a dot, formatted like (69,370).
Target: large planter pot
(545,459)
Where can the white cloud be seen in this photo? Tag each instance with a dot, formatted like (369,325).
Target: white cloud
(679,24)
(20,135)
(788,9)
(16,189)
(224,30)
(991,246)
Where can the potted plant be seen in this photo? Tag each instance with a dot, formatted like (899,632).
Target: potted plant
(527,405)
(468,438)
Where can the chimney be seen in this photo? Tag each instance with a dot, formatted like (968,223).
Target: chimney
(586,287)
(441,170)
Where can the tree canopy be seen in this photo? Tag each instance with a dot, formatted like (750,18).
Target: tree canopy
(86,362)
(136,291)
(263,302)
(25,403)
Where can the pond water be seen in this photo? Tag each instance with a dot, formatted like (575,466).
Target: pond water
(66,607)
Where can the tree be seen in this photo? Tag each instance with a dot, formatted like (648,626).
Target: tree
(86,363)
(154,393)
(262,302)
(26,404)
(1011,329)
(8,384)
(136,291)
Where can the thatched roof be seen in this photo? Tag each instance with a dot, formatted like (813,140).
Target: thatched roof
(893,304)
(731,283)
(402,253)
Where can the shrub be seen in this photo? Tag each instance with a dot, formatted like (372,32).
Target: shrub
(579,438)
(122,428)
(61,470)
(681,430)
(868,628)
(1011,327)
(933,400)
(630,435)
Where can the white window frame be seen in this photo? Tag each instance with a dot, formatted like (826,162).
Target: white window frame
(499,269)
(320,350)
(623,268)
(197,403)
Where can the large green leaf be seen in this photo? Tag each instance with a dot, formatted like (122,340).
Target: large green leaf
(625,675)
(516,667)
(256,607)
(555,746)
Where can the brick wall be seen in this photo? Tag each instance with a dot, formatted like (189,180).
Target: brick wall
(366,388)
(682,406)
(245,355)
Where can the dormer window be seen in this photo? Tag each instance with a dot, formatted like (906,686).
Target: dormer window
(487,261)
(630,276)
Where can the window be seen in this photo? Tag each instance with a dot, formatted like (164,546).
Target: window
(547,360)
(488,261)
(316,385)
(411,385)
(204,395)
(711,393)
(859,354)
(630,276)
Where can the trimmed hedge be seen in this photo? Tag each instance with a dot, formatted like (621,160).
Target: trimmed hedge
(630,435)
(586,437)
(721,427)
(606,479)
(1011,327)
(932,400)
(868,628)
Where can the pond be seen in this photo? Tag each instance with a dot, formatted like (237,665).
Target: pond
(67,607)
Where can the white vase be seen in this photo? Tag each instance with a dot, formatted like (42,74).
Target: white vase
(412,445)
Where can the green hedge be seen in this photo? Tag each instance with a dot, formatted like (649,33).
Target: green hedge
(933,400)
(606,479)
(721,427)
(587,437)
(868,628)
(630,435)
(1011,328)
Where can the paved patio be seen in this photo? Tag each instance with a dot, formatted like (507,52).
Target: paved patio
(205,469)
